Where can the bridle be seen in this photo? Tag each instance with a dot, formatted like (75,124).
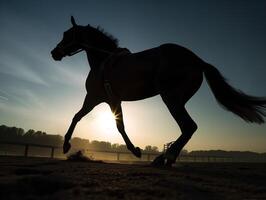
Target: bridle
(84,46)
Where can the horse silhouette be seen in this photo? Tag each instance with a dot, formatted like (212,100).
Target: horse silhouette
(170,70)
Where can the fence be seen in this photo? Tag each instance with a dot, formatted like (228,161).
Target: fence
(28,145)
(52,149)
(148,155)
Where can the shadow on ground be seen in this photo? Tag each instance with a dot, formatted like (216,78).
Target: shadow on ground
(40,178)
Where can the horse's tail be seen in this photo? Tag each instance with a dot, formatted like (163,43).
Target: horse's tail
(249,108)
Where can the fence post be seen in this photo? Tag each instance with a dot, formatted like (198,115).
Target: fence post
(148,157)
(26,150)
(52,152)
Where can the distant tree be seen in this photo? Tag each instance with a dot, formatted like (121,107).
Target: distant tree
(3,132)
(150,148)
(80,143)
(30,132)
(94,144)
(184,152)
(155,149)
(38,133)
(122,147)
(56,140)
(105,145)
(20,132)
(100,145)
(3,129)
(115,146)
(13,131)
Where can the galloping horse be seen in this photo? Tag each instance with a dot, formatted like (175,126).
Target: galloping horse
(172,71)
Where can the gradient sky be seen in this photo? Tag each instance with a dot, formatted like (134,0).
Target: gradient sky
(37,92)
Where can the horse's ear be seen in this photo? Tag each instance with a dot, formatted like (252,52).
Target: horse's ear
(73,21)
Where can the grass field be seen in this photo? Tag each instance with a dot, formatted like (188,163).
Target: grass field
(42,178)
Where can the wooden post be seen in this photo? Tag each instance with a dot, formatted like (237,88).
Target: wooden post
(52,152)
(26,150)
(118,154)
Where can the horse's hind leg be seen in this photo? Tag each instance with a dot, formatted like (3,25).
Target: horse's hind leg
(175,95)
(187,126)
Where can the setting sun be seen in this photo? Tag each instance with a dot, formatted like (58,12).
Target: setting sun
(106,121)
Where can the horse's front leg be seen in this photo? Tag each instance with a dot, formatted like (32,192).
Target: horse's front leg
(117,111)
(88,105)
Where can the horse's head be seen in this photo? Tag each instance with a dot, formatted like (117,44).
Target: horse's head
(79,38)
(71,42)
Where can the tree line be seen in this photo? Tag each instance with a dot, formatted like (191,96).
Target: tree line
(19,135)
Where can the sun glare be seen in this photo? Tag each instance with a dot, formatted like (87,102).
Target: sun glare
(106,121)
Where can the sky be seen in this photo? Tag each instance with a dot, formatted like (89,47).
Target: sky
(40,93)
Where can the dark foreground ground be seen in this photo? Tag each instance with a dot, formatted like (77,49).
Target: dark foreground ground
(39,178)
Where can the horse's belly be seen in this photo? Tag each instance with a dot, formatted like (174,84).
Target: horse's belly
(131,86)
(134,92)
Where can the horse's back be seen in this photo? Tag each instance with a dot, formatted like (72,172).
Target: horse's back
(133,76)
(141,75)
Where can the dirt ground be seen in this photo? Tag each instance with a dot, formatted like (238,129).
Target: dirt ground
(40,178)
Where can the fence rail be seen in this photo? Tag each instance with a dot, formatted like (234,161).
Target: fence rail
(149,155)
(28,145)
(119,153)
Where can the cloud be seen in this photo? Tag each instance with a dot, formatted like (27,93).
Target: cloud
(69,76)
(28,58)
(11,65)
(3,95)
(3,98)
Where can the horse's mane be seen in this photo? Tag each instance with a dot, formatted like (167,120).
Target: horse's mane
(109,38)
(108,35)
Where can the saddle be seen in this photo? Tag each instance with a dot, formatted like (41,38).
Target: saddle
(107,66)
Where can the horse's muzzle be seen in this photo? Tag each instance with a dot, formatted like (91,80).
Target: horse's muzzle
(57,54)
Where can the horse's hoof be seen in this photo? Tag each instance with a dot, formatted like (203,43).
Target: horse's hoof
(169,163)
(66,147)
(136,151)
(170,159)
(158,161)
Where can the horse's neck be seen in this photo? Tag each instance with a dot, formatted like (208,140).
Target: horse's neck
(95,58)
